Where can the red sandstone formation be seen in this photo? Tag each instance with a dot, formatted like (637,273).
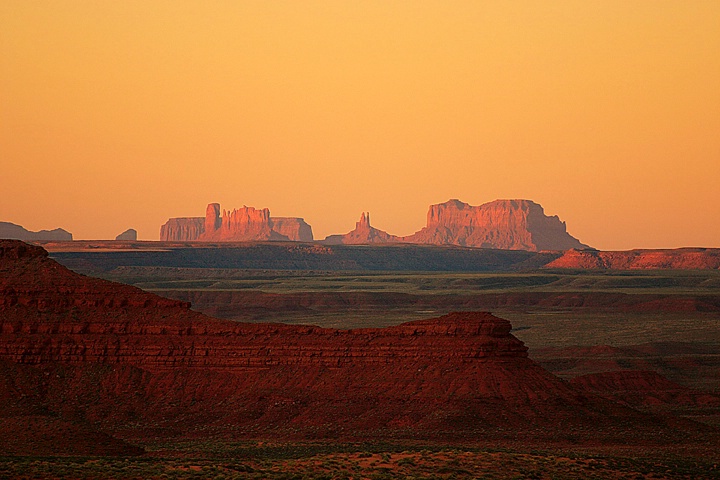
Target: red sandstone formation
(362,235)
(182,229)
(239,225)
(131,364)
(295,229)
(676,259)
(503,224)
(11,231)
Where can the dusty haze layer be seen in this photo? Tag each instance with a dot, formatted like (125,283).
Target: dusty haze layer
(127,113)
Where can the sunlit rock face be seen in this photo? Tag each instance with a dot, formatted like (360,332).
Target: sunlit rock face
(244,224)
(502,224)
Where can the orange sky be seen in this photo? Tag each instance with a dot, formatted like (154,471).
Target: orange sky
(120,114)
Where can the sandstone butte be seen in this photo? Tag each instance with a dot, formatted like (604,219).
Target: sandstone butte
(102,364)
(246,224)
(502,224)
(12,231)
(128,235)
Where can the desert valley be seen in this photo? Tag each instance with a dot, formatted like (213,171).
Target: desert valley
(489,344)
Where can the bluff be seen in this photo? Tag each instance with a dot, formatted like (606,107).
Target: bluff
(503,224)
(128,364)
(239,225)
(363,234)
(676,259)
(12,231)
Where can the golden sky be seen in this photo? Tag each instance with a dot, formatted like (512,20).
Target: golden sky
(121,114)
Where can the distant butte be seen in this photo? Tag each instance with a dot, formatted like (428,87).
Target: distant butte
(128,235)
(502,224)
(246,224)
(362,235)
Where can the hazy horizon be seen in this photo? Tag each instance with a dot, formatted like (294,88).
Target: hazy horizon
(117,115)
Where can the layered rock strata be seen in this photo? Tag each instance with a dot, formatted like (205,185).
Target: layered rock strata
(503,224)
(239,225)
(675,259)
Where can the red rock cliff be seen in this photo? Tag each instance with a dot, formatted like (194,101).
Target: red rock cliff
(503,224)
(239,225)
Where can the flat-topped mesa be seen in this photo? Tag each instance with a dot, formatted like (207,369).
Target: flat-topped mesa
(502,224)
(245,224)
(363,234)
(184,229)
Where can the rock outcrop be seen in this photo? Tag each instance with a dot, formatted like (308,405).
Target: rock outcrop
(246,224)
(12,231)
(675,259)
(363,234)
(129,234)
(503,224)
(185,229)
(131,364)
(295,229)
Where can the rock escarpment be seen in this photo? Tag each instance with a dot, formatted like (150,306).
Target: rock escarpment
(503,224)
(131,364)
(239,225)
(12,231)
(186,229)
(675,259)
(363,234)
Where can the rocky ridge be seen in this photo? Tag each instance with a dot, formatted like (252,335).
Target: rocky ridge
(12,231)
(677,259)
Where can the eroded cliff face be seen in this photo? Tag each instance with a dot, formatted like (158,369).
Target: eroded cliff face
(363,234)
(186,229)
(295,229)
(503,224)
(245,224)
